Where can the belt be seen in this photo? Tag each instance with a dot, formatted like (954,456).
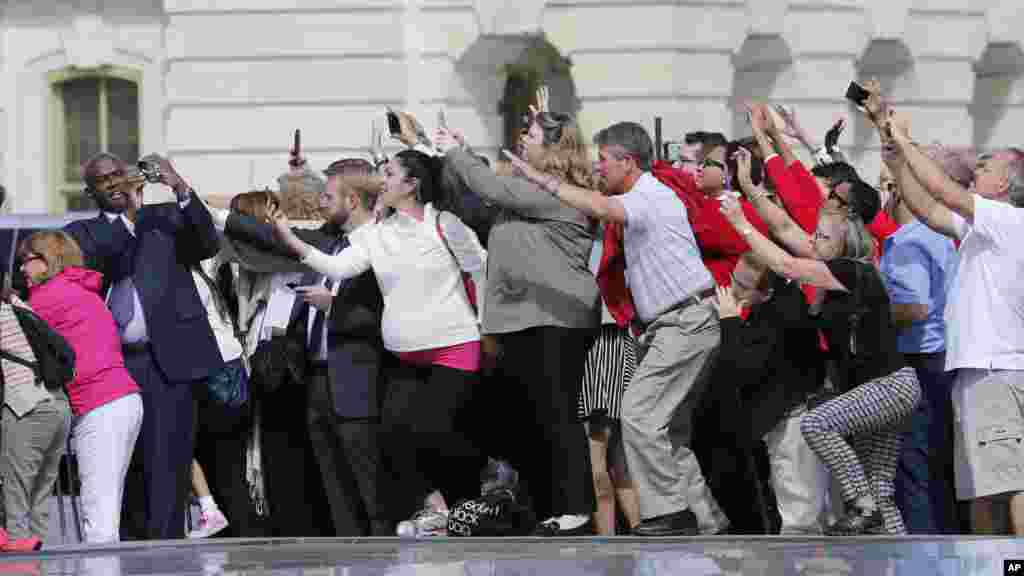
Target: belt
(691,300)
(683,304)
(318,365)
(135,347)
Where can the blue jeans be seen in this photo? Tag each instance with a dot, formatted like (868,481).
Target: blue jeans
(925,492)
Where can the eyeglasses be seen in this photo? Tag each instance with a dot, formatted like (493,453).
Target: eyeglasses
(709,163)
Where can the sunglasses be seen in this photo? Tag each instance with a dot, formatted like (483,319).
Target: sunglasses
(29,258)
(709,163)
(832,194)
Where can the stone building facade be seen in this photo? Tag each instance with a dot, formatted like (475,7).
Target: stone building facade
(220,85)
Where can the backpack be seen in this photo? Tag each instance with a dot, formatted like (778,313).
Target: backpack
(55,360)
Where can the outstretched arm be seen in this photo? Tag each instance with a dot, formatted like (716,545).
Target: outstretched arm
(805,270)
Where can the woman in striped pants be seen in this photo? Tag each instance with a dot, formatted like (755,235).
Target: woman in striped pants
(856,434)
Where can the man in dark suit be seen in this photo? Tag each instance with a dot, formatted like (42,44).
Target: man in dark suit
(340,328)
(145,254)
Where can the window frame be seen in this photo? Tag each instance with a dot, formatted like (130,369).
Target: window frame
(61,190)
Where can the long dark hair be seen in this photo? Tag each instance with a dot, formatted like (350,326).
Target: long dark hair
(427,170)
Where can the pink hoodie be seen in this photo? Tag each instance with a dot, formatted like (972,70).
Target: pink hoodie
(71,304)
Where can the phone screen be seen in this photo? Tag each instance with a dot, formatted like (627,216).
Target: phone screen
(393,124)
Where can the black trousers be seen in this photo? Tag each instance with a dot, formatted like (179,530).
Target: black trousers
(221,437)
(535,422)
(295,494)
(159,475)
(427,441)
(348,455)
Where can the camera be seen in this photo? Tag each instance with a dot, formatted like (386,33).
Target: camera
(150,170)
(673,151)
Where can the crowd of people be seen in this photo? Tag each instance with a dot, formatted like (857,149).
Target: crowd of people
(728,340)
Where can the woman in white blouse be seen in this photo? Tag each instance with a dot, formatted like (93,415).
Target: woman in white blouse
(418,255)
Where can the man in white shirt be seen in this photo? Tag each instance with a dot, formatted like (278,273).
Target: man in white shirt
(672,290)
(984,315)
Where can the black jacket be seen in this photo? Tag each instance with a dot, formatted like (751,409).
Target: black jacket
(168,242)
(769,363)
(355,350)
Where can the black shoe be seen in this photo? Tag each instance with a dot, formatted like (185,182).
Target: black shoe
(550,529)
(857,522)
(682,523)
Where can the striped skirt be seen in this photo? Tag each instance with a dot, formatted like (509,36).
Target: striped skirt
(609,367)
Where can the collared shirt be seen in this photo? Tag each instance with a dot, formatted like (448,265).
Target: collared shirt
(220,321)
(136,331)
(312,312)
(663,263)
(917,265)
(425,304)
(985,305)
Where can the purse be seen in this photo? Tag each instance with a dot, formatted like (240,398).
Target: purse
(229,386)
(467,280)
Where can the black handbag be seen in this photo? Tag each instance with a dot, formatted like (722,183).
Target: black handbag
(277,362)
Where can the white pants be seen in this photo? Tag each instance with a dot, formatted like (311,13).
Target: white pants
(799,478)
(103,440)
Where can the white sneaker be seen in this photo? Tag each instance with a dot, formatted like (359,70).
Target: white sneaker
(426,523)
(209,524)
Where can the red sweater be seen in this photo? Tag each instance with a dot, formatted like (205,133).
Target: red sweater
(720,244)
(800,195)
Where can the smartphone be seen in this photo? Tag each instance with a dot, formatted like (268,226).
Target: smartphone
(394,125)
(442,122)
(673,151)
(857,94)
(296,149)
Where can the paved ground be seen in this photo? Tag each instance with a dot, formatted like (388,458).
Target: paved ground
(763,556)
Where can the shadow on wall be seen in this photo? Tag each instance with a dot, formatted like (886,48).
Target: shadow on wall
(1000,67)
(57,11)
(757,66)
(501,74)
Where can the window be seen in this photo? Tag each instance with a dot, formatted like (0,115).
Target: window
(91,111)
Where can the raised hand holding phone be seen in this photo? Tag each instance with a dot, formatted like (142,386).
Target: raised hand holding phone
(295,154)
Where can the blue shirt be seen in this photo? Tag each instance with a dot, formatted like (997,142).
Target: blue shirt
(917,266)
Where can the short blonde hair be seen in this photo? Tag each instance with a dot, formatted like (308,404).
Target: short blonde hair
(366,187)
(56,247)
(254,203)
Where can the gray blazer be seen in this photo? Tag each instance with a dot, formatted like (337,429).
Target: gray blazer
(538,253)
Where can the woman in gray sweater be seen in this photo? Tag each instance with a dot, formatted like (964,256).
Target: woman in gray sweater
(542,302)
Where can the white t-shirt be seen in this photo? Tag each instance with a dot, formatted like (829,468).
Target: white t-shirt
(985,305)
(663,264)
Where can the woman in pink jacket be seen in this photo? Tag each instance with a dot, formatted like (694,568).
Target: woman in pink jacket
(105,400)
